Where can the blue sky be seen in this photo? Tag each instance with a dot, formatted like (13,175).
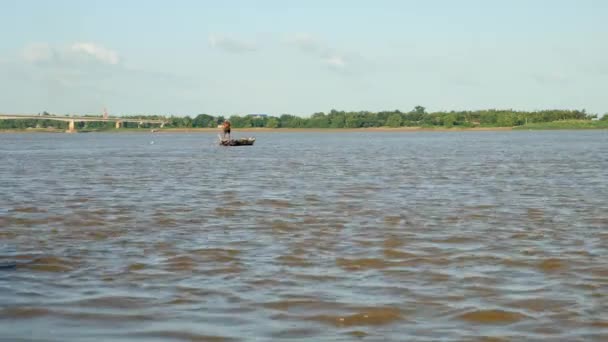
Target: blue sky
(300,57)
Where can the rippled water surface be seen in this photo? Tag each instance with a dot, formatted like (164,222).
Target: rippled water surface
(470,236)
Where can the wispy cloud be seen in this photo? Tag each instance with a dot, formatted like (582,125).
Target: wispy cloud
(231,44)
(96,51)
(70,55)
(91,72)
(595,68)
(38,52)
(335,62)
(327,56)
(551,78)
(306,42)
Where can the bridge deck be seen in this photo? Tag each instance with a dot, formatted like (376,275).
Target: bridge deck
(76,118)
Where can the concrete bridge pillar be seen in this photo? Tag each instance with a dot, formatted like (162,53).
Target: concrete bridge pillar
(71,126)
(118,124)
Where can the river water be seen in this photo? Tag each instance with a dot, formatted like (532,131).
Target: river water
(426,236)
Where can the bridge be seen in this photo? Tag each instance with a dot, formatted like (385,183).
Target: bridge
(73,119)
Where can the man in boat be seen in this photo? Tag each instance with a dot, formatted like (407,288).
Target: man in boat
(226,128)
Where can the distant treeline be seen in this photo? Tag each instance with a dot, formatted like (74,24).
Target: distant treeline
(418,117)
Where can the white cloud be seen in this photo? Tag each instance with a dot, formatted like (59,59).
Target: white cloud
(326,55)
(335,62)
(305,42)
(231,44)
(39,52)
(73,54)
(96,51)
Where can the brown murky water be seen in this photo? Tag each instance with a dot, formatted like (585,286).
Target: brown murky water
(476,236)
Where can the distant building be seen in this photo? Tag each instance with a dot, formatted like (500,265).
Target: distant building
(257,116)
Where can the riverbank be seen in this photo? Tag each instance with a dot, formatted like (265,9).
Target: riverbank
(335,130)
(556,125)
(265,129)
(33,130)
(565,125)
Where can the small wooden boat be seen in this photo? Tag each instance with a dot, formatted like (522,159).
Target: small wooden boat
(237,142)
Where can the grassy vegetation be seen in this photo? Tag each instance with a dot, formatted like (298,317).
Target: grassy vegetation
(418,117)
(566,124)
(414,120)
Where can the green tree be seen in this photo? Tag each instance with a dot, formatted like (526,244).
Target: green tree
(272,122)
(240,122)
(394,120)
(487,118)
(352,120)
(419,110)
(187,122)
(505,120)
(202,120)
(448,120)
(318,120)
(258,122)
(292,121)
(337,121)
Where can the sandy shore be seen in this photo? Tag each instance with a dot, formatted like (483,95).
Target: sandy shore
(32,130)
(334,130)
(278,130)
